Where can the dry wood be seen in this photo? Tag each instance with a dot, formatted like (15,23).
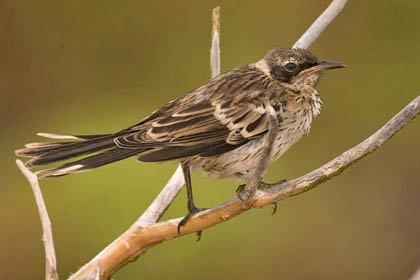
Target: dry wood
(47,237)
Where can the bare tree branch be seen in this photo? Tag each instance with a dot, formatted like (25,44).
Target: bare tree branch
(320,24)
(47,237)
(136,240)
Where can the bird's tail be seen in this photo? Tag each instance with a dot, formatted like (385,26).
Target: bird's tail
(101,148)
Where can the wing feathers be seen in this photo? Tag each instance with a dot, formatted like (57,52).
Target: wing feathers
(218,117)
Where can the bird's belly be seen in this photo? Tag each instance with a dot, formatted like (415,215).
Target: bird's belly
(241,162)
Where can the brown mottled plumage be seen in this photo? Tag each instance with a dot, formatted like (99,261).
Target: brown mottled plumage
(219,127)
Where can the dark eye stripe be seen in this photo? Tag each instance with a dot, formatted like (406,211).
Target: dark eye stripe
(307,65)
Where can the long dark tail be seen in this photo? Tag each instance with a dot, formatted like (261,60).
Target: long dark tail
(46,153)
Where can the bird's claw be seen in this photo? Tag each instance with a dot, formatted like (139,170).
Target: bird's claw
(274,208)
(193,210)
(262,186)
(265,186)
(239,192)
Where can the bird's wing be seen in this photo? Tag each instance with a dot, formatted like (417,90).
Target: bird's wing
(206,122)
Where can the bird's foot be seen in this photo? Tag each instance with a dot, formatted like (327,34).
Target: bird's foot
(191,211)
(262,186)
(265,186)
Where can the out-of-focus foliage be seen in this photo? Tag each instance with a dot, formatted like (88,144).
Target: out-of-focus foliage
(80,67)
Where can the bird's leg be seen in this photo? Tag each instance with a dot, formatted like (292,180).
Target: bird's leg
(192,209)
(265,186)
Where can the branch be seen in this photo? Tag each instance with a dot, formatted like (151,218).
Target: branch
(163,200)
(137,240)
(47,237)
(320,24)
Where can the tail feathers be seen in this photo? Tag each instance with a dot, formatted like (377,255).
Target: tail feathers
(61,136)
(109,156)
(45,153)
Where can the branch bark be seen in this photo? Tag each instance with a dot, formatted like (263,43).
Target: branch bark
(47,237)
(137,240)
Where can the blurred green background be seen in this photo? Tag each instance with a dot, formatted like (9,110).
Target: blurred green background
(90,67)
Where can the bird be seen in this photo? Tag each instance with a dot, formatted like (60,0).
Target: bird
(219,128)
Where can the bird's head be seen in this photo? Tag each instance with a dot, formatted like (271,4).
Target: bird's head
(295,68)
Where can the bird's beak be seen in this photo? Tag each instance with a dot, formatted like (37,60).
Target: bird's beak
(324,65)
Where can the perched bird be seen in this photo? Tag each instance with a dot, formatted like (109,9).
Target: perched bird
(219,127)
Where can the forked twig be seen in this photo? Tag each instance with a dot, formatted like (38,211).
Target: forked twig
(47,237)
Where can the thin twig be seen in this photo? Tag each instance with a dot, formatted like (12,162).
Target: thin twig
(320,24)
(163,200)
(47,237)
(136,240)
(215,44)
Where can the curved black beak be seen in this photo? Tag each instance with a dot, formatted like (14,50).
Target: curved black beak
(327,65)
(324,65)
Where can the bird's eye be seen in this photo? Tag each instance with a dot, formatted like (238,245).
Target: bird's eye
(290,67)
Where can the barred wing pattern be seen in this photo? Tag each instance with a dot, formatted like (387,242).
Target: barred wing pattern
(212,120)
